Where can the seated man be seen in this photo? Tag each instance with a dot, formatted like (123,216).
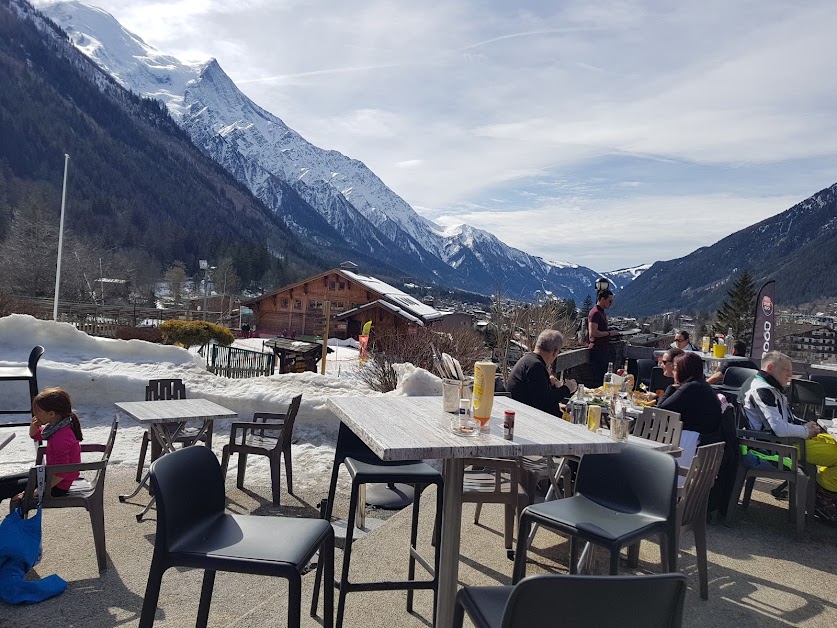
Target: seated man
(532,381)
(738,349)
(767,409)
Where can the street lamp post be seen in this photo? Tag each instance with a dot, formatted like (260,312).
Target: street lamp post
(602,284)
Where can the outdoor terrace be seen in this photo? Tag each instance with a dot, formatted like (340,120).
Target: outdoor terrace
(760,572)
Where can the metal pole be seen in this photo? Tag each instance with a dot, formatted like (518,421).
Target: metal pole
(327,314)
(60,239)
(205,286)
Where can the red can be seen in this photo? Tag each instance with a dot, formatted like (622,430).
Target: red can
(508,424)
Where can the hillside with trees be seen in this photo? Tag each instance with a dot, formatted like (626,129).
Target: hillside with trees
(140,196)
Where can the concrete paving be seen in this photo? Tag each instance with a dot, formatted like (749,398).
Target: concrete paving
(760,574)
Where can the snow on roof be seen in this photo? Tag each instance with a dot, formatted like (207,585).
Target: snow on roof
(396,296)
(385,304)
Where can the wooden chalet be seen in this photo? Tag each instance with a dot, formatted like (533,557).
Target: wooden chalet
(297,309)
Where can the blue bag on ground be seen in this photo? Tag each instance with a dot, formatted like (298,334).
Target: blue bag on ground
(20,549)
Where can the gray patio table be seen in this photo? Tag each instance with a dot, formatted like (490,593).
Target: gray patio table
(410,428)
(156,414)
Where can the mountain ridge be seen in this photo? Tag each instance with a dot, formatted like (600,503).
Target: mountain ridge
(349,196)
(797,248)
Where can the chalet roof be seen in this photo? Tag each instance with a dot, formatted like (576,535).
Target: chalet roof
(386,305)
(401,300)
(396,296)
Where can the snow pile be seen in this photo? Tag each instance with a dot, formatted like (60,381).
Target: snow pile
(97,372)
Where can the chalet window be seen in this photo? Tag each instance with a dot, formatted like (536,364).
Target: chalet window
(297,304)
(315,305)
(285,303)
(338,305)
(353,306)
(341,285)
(331,285)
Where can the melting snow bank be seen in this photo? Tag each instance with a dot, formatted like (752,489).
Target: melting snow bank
(97,372)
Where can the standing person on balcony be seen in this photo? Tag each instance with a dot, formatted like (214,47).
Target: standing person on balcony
(532,381)
(600,335)
(768,409)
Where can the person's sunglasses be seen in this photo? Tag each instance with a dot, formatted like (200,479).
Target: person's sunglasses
(667,361)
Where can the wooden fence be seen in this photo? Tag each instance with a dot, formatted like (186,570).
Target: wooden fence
(238,363)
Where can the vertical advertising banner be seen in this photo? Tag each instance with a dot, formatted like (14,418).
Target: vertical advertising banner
(763,326)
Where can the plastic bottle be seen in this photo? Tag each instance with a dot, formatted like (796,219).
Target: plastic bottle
(508,424)
(464,411)
(729,340)
(484,392)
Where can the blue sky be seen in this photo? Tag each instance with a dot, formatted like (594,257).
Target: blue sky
(607,133)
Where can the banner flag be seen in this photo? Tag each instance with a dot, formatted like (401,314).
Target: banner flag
(763,326)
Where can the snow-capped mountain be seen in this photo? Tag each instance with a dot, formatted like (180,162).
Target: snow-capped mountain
(290,174)
(622,277)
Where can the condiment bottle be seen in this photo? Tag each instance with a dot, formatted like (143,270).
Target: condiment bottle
(508,424)
(464,411)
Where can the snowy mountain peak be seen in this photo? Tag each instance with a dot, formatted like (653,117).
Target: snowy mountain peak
(271,159)
(124,55)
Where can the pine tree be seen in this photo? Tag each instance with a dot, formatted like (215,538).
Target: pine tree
(587,305)
(737,309)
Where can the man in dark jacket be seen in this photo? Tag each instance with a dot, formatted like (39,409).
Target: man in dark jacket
(532,381)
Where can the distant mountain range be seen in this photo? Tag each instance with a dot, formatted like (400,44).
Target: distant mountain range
(797,248)
(327,199)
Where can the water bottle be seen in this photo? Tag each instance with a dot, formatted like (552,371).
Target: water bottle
(608,379)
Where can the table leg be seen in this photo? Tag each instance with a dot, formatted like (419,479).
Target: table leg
(454,471)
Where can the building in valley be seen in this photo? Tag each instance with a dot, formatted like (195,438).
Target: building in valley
(808,344)
(298,309)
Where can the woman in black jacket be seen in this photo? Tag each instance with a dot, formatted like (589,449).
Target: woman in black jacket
(695,400)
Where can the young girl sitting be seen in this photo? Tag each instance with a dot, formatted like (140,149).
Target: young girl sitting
(55,422)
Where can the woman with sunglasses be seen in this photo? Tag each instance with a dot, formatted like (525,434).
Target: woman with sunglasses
(695,400)
(667,361)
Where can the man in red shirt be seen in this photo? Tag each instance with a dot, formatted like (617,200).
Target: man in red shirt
(600,334)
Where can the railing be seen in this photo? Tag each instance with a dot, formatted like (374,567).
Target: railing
(238,363)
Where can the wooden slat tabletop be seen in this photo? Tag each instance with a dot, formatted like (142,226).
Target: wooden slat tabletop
(408,428)
(175,410)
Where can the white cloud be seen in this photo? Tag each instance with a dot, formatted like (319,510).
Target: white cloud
(455,102)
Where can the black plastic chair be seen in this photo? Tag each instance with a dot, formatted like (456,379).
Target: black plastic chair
(28,373)
(644,366)
(653,601)
(366,468)
(807,395)
(658,380)
(194,531)
(829,386)
(619,499)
